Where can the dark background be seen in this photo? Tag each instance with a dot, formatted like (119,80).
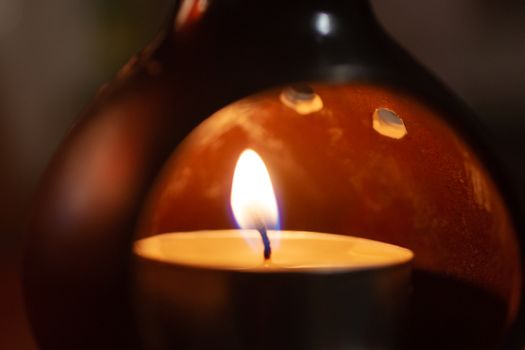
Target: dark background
(55,53)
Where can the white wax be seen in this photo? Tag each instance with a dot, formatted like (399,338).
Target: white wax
(309,251)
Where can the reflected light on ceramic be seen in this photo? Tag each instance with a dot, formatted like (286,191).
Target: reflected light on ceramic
(252,197)
(101,172)
(323,23)
(190,11)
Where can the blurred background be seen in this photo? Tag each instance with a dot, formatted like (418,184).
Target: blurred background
(55,53)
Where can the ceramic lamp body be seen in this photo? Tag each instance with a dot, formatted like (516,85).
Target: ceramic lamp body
(334,170)
(76,272)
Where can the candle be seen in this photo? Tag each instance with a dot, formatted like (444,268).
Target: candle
(298,251)
(260,287)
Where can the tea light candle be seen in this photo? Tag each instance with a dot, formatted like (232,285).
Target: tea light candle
(258,288)
(306,252)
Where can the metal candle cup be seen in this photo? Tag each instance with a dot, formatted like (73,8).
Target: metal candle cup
(208,289)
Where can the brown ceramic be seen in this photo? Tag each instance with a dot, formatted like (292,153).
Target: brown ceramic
(76,269)
(334,172)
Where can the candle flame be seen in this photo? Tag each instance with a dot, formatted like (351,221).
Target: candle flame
(252,197)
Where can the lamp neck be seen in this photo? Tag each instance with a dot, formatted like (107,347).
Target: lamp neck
(282,17)
(227,49)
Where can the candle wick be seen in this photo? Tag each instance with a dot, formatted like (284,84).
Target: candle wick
(266,242)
